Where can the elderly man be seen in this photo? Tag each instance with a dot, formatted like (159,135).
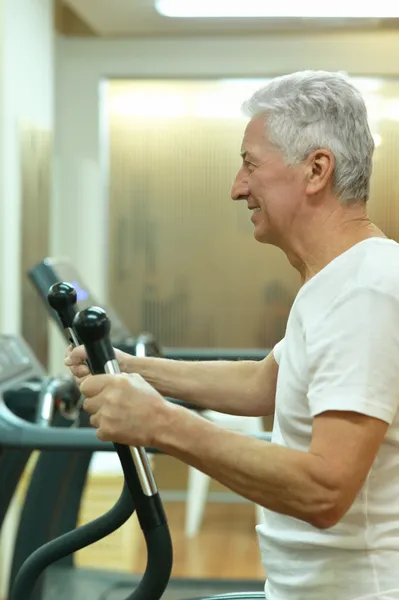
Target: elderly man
(329,481)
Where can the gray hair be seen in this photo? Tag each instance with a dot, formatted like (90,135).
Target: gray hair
(308,110)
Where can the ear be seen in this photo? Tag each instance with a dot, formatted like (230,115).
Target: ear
(320,169)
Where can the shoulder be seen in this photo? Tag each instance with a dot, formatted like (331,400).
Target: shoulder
(367,273)
(378,268)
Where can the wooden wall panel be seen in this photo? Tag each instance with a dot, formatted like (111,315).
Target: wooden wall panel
(183,262)
(35,165)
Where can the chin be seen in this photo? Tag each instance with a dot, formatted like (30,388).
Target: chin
(267,237)
(262,236)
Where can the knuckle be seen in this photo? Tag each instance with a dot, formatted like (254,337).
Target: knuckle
(100,435)
(109,395)
(123,381)
(136,377)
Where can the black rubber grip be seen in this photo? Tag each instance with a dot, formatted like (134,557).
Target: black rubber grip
(99,353)
(159,566)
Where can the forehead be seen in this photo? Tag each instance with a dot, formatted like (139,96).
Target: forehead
(255,138)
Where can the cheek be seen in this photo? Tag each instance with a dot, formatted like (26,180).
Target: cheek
(278,201)
(260,190)
(266,192)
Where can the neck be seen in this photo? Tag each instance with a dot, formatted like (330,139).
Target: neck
(312,249)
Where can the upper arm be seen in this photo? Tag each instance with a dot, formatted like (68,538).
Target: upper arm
(353,394)
(348,443)
(266,381)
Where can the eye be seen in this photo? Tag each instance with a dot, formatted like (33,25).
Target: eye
(248,165)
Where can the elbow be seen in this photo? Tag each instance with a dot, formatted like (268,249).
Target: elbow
(325,520)
(328,514)
(329,498)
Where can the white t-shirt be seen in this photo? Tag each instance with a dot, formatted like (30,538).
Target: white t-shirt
(341,352)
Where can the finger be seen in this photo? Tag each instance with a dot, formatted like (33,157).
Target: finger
(95,421)
(79,381)
(94,385)
(102,436)
(89,406)
(80,372)
(75,356)
(93,405)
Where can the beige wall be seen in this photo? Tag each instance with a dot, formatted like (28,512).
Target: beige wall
(81,203)
(183,263)
(182,260)
(81,214)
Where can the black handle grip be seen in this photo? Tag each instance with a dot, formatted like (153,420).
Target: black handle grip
(93,327)
(62,298)
(159,565)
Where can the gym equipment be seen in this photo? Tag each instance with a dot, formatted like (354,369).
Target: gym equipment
(35,398)
(51,271)
(92,327)
(21,389)
(51,509)
(14,460)
(139,491)
(99,348)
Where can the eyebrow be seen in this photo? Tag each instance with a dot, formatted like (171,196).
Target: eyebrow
(247,155)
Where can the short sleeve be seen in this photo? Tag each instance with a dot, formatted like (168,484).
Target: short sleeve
(353,355)
(277,351)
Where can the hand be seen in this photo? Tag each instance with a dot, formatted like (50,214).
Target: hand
(75,356)
(125,409)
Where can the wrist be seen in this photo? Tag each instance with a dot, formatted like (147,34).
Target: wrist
(126,362)
(164,419)
(175,424)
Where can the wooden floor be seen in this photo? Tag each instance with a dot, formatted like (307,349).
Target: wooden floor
(226,546)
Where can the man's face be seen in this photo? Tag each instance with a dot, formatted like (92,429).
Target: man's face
(274,191)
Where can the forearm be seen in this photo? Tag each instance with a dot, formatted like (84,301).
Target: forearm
(224,386)
(283,480)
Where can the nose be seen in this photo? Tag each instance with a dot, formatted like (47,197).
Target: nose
(240,189)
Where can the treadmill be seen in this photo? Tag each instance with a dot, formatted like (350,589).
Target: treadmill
(52,270)
(24,395)
(25,390)
(18,393)
(16,433)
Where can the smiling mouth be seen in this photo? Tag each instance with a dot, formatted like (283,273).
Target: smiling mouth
(255,210)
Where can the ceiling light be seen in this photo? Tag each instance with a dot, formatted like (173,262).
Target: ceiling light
(283,8)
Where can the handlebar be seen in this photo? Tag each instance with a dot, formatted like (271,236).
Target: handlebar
(92,327)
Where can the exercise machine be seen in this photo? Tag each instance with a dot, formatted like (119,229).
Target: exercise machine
(16,433)
(51,509)
(50,271)
(32,396)
(29,395)
(92,327)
